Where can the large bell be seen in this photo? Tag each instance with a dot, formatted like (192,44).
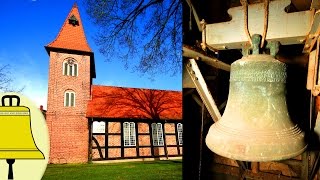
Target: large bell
(256,125)
(15,133)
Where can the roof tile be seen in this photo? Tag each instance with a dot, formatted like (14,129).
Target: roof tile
(71,37)
(120,102)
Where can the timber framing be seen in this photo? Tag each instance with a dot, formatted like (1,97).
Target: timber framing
(211,61)
(99,146)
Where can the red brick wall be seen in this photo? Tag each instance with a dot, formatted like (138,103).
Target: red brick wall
(114,140)
(68,126)
(114,152)
(144,140)
(145,152)
(100,139)
(169,127)
(114,127)
(143,128)
(130,152)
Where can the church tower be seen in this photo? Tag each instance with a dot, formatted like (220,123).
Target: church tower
(71,69)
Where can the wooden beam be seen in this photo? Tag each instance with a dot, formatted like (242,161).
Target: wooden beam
(186,79)
(214,62)
(217,169)
(287,28)
(311,70)
(195,14)
(313,34)
(197,100)
(202,89)
(305,165)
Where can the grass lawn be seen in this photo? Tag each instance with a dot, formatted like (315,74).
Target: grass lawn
(169,169)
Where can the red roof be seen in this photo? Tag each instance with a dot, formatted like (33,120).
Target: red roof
(134,103)
(71,36)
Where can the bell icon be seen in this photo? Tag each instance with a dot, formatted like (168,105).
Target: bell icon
(17,141)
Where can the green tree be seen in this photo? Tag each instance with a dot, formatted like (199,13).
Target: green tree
(145,34)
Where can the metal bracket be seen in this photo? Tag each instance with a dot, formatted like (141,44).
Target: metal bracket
(313,34)
(313,79)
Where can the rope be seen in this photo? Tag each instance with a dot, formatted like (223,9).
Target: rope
(244,3)
(190,20)
(246,29)
(265,25)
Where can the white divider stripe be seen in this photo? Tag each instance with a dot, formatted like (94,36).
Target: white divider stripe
(14,113)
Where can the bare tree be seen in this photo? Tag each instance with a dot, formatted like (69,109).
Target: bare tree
(145,34)
(6,80)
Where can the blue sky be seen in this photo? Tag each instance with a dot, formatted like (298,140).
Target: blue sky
(28,25)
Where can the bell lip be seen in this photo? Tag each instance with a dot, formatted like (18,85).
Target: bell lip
(259,158)
(21,154)
(217,145)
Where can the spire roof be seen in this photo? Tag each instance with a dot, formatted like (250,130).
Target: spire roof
(71,35)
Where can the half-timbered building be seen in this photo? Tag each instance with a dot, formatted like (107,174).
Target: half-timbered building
(92,122)
(134,123)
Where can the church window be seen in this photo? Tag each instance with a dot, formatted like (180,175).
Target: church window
(157,134)
(129,134)
(69,99)
(180,131)
(70,67)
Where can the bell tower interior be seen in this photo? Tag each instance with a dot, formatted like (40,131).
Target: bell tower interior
(214,38)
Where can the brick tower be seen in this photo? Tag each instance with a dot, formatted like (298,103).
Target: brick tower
(71,69)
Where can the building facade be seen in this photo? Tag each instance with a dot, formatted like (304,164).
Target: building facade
(75,106)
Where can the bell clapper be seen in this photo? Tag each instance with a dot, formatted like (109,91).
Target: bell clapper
(10,173)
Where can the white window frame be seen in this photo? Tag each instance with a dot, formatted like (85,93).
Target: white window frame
(180,133)
(129,134)
(157,134)
(68,95)
(72,65)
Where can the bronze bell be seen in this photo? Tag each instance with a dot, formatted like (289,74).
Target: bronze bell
(256,125)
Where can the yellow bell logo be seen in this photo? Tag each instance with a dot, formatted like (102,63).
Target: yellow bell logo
(15,131)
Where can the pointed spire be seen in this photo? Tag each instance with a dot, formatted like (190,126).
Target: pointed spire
(75,5)
(71,35)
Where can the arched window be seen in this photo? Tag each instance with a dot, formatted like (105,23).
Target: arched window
(69,99)
(129,134)
(70,67)
(180,131)
(157,134)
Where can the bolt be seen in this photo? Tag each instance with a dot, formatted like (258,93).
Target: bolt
(312,36)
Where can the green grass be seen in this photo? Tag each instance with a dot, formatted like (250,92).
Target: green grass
(169,169)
